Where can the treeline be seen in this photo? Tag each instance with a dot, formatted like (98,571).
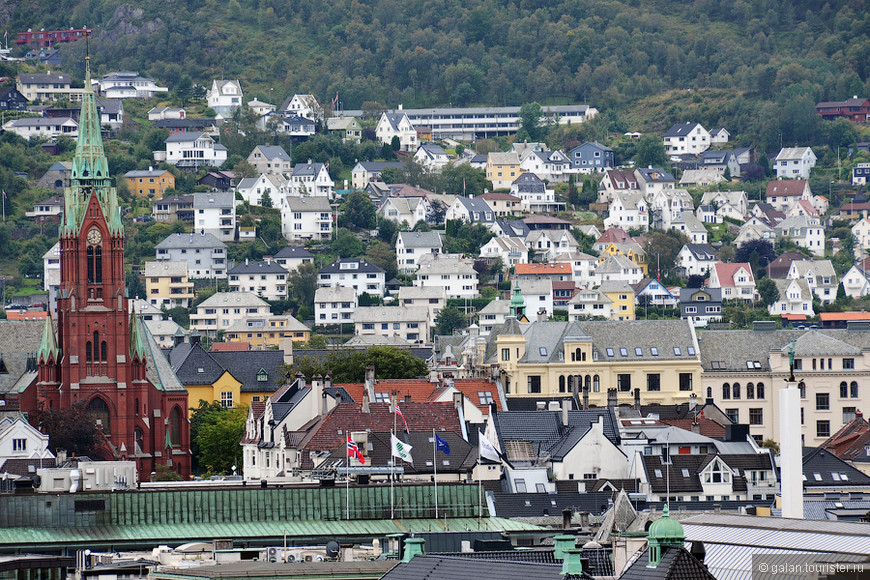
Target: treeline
(609,53)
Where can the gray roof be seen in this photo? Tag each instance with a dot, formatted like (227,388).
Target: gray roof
(702,252)
(185,136)
(273,152)
(191,240)
(158,369)
(214,199)
(680,129)
(546,339)
(41,121)
(258,268)
(293,252)
(364,266)
(733,348)
(246,365)
(301,204)
(455,567)
(146,173)
(194,366)
(421,239)
(19,339)
(307,169)
(545,431)
(44,78)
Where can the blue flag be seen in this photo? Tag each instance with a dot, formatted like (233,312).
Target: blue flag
(442,445)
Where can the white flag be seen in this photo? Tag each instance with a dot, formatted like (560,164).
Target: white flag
(487,449)
(401,449)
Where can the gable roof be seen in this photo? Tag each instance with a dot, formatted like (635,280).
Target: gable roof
(786,187)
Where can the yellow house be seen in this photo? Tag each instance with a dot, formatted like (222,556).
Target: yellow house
(599,358)
(153,182)
(268,331)
(621,294)
(502,169)
(630,250)
(231,378)
(167,284)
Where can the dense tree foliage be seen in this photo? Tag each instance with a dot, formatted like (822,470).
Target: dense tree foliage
(604,52)
(348,366)
(73,430)
(215,433)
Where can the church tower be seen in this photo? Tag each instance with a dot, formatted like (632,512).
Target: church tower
(98,356)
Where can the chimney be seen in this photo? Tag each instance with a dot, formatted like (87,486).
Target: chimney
(585,396)
(370,382)
(365,403)
(407,399)
(572,564)
(693,401)
(565,413)
(458,399)
(584,520)
(563,542)
(542,315)
(611,397)
(566,518)
(637,399)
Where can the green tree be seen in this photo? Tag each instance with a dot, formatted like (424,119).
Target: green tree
(346,244)
(215,433)
(768,291)
(73,430)
(450,318)
(650,151)
(383,256)
(390,363)
(266,200)
(317,341)
(179,315)
(357,211)
(303,284)
(530,120)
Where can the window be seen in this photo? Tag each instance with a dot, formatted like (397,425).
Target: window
(853,390)
(623,382)
(726,391)
(485,397)
(227,399)
(759,391)
(677,351)
(735,390)
(535,384)
(19,445)
(654,351)
(262,376)
(505,354)
(848,414)
(823,402)
(685,381)
(798,364)
(756,416)
(653,382)
(623,351)
(844,390)
(638,351)
(848,363)
(750,391)
(823,428)
(609,352)
(733,415)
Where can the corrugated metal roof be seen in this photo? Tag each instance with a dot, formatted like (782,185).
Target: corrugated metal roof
(817,541)
(735,562)
(171,533)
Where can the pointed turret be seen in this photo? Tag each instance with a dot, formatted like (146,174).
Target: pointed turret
(90,168)
(137,345)
(48,349)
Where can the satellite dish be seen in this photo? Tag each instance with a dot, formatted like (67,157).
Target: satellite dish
(332,549)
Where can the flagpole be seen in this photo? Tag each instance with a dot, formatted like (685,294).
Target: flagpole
(435,465)
(347,479)
(479,500)
(392,465)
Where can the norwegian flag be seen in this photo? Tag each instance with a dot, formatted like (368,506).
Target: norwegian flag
(399,413)
(354,451)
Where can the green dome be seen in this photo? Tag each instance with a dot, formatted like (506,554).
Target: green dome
(666,530)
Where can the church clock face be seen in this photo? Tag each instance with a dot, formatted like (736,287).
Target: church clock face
(94,236)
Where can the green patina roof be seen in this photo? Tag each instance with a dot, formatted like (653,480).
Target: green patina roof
(665,529)
(48,347)
(90,170)
(240,531)
(137,345)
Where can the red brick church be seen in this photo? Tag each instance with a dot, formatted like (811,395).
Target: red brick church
(100,353)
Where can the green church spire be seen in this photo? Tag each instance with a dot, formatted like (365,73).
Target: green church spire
(90,168)
(48,348)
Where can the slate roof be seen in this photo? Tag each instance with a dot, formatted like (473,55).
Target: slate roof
(733,348)
(293,252)
(258,268)
(364,267)
(273,152)
(476,204)
(190,241)
(518,505)
(676,564)
(187,359)
(664,335)
(786,187)
(694,464)
(462,458)
(246,365)
(240,299)
(19,339)
(702,252)
(545,432)
(680,129)
(820,465)
(456,567)
(186,136)
(529,183)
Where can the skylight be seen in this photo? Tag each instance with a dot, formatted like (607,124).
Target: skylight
(654,350)
(623,351)
(658,472)
(691,351)
(543,351)
(817,476)
(609,352)
(638,351)
(685,472)
(677,351)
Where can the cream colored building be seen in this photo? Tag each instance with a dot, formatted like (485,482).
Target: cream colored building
(547,359)
(745,370)
(167,284)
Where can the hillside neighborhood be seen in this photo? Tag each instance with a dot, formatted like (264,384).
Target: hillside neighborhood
(640,351)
